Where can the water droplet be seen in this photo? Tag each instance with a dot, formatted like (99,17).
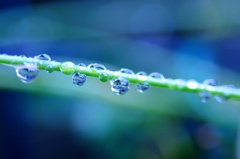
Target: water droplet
(210,82)
(81,64)
(27,75)
(156,75)
(227,90)
(67,68)
(119,86)
(103,76)
(23,56)
(49,69)
(44,57)
(97,66)
(142,87)
(78,79)
(127,71)
(142,76)
(141,73)
(204,96)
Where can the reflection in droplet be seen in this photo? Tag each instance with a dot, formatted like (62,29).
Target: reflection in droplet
(127,71)
(44,57)
(78,79)
(96,66)
(81,64)
(119,86)
(142,87)
(67,67)
(156,75)
(27,75)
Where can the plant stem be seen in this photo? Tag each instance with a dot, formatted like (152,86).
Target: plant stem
(70,68)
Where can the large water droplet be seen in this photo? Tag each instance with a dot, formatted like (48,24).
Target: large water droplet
(127,71)
(44,57)
(142,87)
(67,68)
(96,66)
(27,75)
(78,79)
(119,86)
(156,75)
(103,76)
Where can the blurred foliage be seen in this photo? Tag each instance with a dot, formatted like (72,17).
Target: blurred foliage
(52,118)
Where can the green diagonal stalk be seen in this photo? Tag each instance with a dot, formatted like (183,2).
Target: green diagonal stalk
(70,68)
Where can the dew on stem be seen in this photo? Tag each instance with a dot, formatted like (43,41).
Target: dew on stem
(144,86)
(44,57)
(28,74)
(81,64)
(103,76)
(96,66)
(67,68)
(119,86)
(205,96)
(127,71)
(156,75)
(78,79)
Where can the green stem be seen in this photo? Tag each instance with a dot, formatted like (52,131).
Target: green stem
(70,68)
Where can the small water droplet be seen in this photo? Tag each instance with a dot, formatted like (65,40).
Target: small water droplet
(23,56)
(49,69)
(96,66)
(142,87)
(210,82)
(81,64)
(67,67)
(78,79)
(156,75)
(227,90)
(120,85)
(103,76)
(204,96)
(27,75)
(142,76)
(141,73)
(44,57)
(127,71)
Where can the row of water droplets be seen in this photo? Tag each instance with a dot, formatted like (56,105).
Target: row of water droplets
(210,84)
(29,71)
(119,85)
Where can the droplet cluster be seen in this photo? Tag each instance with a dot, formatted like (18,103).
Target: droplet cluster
(119,80)
(144,86)
(211,84)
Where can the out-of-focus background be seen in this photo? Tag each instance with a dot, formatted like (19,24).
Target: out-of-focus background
(51,118)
